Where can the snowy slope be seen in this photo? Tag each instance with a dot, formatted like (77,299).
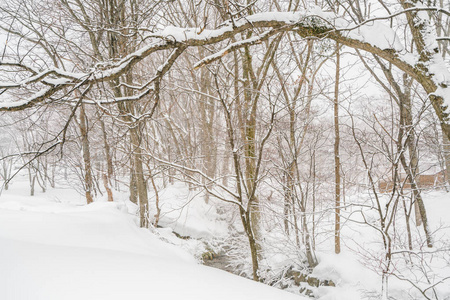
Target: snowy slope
(187,213)
(51,250)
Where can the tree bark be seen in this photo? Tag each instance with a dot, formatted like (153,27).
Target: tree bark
(141,184)
(107,177)
(337,163)
(88,181)
(446,148)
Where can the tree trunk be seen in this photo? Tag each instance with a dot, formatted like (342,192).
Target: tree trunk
(246,221)
(249,137)
(32,179)
(107,177)
(141,184)
(446,146)
(407,122)
(158,209)
(208,145)
(107,187)
(88,182)
(408,227)
(133,184)
(108,158)
(419,201)
(337,163)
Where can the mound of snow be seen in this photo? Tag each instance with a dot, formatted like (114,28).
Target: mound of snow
(59,251)
(187,213)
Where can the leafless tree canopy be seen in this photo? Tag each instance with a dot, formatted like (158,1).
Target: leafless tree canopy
(243,100)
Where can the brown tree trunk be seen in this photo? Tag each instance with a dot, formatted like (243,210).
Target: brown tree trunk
(418,200)
(141,184)
(249,137)
(404,101)
(158,209)
(208,145)
(133,184)
(244,214)
(88,182)
(407,122)
(107,187)
(337,163)
(446,148)
(408,226)
(107,177)
(109,162)
(246,221)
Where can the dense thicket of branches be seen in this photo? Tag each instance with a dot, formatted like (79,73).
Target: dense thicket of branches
(235,98)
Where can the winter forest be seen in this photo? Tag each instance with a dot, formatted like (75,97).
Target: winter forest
(224,149)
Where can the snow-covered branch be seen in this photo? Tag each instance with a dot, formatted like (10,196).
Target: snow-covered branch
(431,73)
(240,44)
(205,186)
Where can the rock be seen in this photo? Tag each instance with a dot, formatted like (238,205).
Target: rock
(300,277)
(209,255)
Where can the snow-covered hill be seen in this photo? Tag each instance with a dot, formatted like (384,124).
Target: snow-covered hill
(53,246)
(52,250)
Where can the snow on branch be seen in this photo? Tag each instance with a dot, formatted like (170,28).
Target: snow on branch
(247,42)
(121,99)
(59,76)
(372,36)
(210,180)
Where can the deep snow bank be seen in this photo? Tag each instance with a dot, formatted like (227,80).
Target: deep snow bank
(52,250)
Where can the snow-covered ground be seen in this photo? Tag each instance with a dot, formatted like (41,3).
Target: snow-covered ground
(357,270)
(52,247)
